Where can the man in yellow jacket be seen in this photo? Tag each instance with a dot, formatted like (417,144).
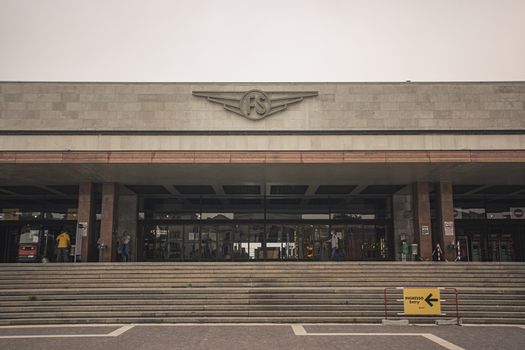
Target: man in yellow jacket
(63,242)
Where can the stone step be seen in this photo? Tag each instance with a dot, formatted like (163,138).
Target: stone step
(210,319)
(239,301)
(233,320)
(230,320)
(232,280)
(245,301)
(255,275)
(273,272)
(237,279)
(259,270)
(174,285)
(277,263)
(236,313)
(373,306)
(250,292)
(240,267)
(144,300)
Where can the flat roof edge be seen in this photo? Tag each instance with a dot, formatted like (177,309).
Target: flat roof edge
(270,82)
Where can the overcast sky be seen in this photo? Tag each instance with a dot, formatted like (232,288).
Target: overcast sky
(269,40)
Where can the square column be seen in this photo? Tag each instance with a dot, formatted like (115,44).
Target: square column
(108,223)
(445,213)
(403,215)
(422,234)
(86,215)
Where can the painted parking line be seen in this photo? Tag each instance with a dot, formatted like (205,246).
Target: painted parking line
(117,332)
(300,331)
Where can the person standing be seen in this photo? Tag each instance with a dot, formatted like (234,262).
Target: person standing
(404,250)
(63,242)
(125,248)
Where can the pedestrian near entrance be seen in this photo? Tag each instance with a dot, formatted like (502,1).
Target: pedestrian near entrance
(404,250)
(63,243)
(101,246)
(334,241)
(125,248)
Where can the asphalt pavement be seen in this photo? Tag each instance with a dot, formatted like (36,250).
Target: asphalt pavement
(263,337)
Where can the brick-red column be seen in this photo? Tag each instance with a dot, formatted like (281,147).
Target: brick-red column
(108,223)
(422,227)
(86,214)
(445,208)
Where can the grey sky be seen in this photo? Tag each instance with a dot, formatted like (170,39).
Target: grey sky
(271,40)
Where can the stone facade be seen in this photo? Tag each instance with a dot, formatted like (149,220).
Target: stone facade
(339,106)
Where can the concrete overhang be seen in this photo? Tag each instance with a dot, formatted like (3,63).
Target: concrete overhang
(260,173)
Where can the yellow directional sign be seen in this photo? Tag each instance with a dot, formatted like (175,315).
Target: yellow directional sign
(421,301)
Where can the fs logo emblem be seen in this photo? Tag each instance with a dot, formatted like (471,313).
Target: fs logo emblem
(255,104)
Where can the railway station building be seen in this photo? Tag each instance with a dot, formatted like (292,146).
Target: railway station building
(264,171)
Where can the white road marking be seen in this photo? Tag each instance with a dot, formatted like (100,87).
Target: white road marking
(115,333)
(440,341)
(121,330)
(213,324)
(53,336)
(80,325)
(300,331)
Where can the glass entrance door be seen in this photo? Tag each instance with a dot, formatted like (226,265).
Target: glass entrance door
(217,242)
(164,243)
(281,242)
(311,242)
(224,243)
(362,241)
(500,247)
(277,240)
(192,243)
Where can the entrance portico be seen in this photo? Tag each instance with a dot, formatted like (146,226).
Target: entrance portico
(271,207)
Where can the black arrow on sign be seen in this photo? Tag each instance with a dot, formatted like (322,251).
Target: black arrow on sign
(429,300)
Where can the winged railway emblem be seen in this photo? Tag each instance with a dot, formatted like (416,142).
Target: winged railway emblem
(255,104)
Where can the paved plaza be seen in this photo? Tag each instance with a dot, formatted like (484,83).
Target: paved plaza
(263,336)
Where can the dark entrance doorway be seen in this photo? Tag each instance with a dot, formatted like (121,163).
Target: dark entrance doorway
(11,233)
(485,240)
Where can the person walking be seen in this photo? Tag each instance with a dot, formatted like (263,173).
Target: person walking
(334,242)
(63,242)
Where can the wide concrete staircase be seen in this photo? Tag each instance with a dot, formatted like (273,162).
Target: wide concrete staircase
(305,292)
